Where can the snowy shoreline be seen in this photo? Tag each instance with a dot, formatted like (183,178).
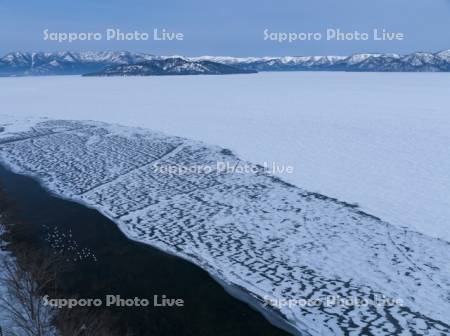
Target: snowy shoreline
(269,315)
(274,317)
(280,270)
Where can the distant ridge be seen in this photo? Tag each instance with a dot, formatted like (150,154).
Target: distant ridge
(107,63)
(64,63)
(415,62)
(171,66)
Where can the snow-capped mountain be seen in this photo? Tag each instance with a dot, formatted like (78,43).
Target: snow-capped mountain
(72,63)
(420,62)
(64,63)
(287,63)
(170,66)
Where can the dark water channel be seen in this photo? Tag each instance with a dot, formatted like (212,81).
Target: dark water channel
(104,262)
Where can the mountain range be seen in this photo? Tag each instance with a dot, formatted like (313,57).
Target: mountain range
(415,62)
(170,66)
(64,63)
(127,63)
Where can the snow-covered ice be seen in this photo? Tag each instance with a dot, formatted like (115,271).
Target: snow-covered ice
(379,140)
(251,230)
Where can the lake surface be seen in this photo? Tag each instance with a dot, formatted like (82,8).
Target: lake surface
(104,262)
(377,139)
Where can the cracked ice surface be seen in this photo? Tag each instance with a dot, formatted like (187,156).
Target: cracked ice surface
(251,230)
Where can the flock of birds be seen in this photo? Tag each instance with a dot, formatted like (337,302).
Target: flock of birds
(64,244)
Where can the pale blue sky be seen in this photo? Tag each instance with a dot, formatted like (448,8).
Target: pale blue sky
(231,27)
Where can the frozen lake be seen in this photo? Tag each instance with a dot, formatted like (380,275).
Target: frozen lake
(379,140)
